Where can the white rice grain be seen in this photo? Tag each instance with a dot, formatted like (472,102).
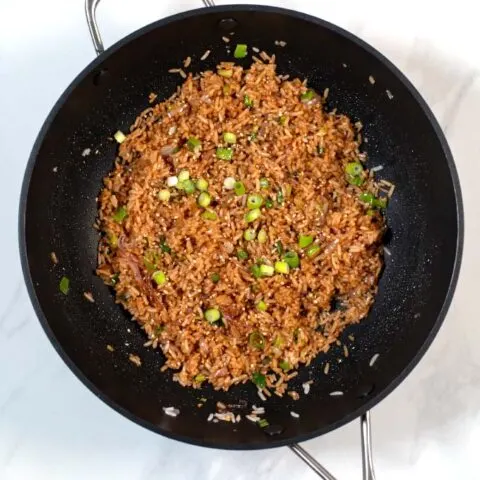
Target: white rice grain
(306,388)
(336,393)
(294,414)
(387,251)
(171,411)
(210,417)
(377,168)
(261,395)
(389,94)
(86,152)
(371,79)
(252,418)
(373,359)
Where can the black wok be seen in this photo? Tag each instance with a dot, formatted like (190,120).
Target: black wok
(58,209)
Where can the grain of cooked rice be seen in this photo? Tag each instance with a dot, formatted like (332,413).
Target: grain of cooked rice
(172,313)
(174,70)
(371,79)
(182,73)
(294,414)
(377,168)
(110,348)
(86,152)
(226,39)
(386,251)
(264,56)
(326,368)
(205,55)
(256,49)
(258,410)
(135,359)
(389,94)
(293,394)
(372,361)
(345,351)
(306,388)
(89,296)
(187,62)
(221,406)
(210,417)
(151,98)
(238,418)
(54,258)
(171,411)
(337,393)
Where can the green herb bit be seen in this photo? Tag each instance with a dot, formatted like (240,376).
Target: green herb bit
(283,120)
(187,186)
(247,101)
(261,306)
(239,189)
(279,247)
(282,267)
(240,51)
(307,96)
(224,153)
(313,250)
(280,197)
(255,269)
(268,203)
(215,277)
(259,379)
(249,234)
(356,181)
(159,277)
(229,137)
(266,270)
(209,215)
(256,340)
(202,185)
(120,214)
(263,423)
(164,246)
(183,175)
(242,254)
(284,365)
(194,144)
(262,236)
(64,285)
(305,240)
(292,259)
(200,378)
(367,198)
(279,341)
(253,215)
(212,315)
(254,201)
(225,73)
(164,195)
(114,278)
(204,199)
(264,183)
(354,169)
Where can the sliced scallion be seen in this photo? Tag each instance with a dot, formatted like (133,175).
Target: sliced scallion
(229,137)
(212,315)
(194,144)
(292,259)
(279,247)
(254,201)
(284,365)
(225,73)
(240,51)
(353,168)
(307,96)
(255,269)
(253,215)
(159,277)
(269,203)
(183,175)
(200,378)
(224,153)
(215,277)
(262,236)
(256,340)
(209,215)
(282,267)
(120,214)
(249,234)
(164,195)
(119,136)
(263,423)
(259,379)
(313,250)
(242,254)
(64,285)
(280,197)
(239,188)
(264,183)
(266,270)
(261,306)
(202,185)
(305,240)
(187,186)
(247,101)
(204,199)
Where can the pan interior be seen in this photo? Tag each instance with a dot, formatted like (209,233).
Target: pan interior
(60,208)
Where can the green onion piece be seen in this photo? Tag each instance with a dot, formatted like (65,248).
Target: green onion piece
(354,169)
(187,186)
(261,306)
(307,96)
(164,246)
(268,203)
(264,183)
(380,203)
(305,240)
(253,215)
(242,255)
(288,190)
(282,267)
(259,379)
(200,378)
(159,277)
(164,195)
(229,137)
(357,181)
(282,120)
(239,188)
(119,136)
(194,144)
(252,137)
(279,247)
(280,197)
(114,278)
(120,214)
(284,365)
(202,184)
(64,285)
(247,101)
(113,240)
(278,342)
(263,422)
(215,277)
(224,153)
(183,175)
(254,201)
(240,51)
(255,269)
(266,270)
(262,236)
(225,73)
(313,250)
(212,315)
(209,215)
(256,340)
(204,199)
(370,212)
(292,259)
(249,234)
(367,198)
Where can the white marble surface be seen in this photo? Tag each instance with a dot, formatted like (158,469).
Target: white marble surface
(53,428)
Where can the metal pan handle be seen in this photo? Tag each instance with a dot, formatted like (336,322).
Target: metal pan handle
(368,473)
(90,13)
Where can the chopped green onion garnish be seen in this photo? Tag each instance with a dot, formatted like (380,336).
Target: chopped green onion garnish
(261,306)
(279,247)
(200,378)
(187,186)
(253,215)
(204,199)
(370,212)
(268,203)
(313,250)
(305,240)
(380,203)
(259,379)
(229,137)
(159,277)
(353,169)
(255,269)
(119,136)
(262,236)
(64,285)
(252,137)
(202,184)
(114,278)
(225,73)
(357,181)
(264,183)
(164,246)
(247,101)
(280,197)
(212,315)
(284,365)
(215,277)
(249,234)
(224,153)
(209,215)
(307,96)
(254,201)
(266,270)
(282,267)
(292,259)
(194,144)
(164,195)
(183,175)
(278,342)
(113,240)
(242,255)
(239,188)
(263,422)
(367,198)
(282,120)
(256,340)
(120,214)
(240,51)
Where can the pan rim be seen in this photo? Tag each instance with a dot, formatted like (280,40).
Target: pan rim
(270,442)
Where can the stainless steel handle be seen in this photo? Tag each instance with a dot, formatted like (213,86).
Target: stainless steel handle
(367,460)
(90,13)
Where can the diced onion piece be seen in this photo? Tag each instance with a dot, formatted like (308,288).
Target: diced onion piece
(119,136)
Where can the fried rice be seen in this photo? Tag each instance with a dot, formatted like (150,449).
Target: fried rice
(228,295)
